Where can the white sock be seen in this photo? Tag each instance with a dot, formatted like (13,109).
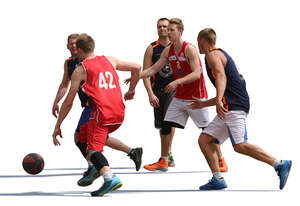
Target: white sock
(90,164)
(107,176)
(217,175)
(277,162)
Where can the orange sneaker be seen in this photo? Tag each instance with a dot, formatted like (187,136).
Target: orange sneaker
(161,165)
(222,165)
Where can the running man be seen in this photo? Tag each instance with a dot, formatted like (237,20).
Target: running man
(98,79)
(189,81)
(69,66)
(158,98)
(232,106)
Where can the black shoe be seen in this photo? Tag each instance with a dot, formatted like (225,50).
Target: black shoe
(136,155)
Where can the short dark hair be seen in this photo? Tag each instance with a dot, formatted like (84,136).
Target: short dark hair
(163,19)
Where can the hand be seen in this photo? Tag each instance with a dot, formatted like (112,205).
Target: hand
(196,103)
(171,86)
(154,101)
(55,109)
(129,95)
(221,111)
(126,81)
(57,131)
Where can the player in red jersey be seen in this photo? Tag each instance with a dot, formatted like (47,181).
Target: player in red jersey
(69,66)
(189,82)
(97,77)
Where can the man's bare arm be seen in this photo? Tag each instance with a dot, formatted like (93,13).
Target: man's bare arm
(62,89)
(163,60)
(77,77)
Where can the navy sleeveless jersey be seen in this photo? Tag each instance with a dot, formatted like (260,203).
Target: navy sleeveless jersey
(164,76)
(235,95)
(71,65)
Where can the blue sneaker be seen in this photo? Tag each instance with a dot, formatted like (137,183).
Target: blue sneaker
(108,186)
(88,177)
(214,184)
(283,171)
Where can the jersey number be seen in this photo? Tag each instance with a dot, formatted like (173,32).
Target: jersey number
(102,81)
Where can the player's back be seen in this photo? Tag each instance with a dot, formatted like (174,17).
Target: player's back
(235,95)
(102,86)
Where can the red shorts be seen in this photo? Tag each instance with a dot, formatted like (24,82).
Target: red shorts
(97,135)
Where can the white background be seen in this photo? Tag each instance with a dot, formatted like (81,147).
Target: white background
(261,36)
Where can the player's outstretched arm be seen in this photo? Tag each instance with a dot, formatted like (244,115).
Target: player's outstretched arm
(163,60)
(199,104)
(134,68)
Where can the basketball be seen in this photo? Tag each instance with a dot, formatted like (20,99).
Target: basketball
(33,163)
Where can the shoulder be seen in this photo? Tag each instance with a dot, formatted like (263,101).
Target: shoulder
(113,60)
(154,44)
(191,50)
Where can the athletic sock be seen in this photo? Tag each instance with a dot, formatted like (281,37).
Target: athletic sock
(165,158)
(130,151)
(90,164)
(107,176)
(277,162)
(218,175)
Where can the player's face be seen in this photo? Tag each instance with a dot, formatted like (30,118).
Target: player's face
(162,28)
(72,47)
(173,32)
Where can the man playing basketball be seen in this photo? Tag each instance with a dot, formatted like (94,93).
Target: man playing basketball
(189,81)
(69,66)
(97,77)
(158,98)
(232,106)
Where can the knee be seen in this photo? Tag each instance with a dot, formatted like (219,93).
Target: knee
(240,148)
(166,129)
(204,140)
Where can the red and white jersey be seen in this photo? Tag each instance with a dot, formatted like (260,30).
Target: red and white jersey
(102,86)
(181,68)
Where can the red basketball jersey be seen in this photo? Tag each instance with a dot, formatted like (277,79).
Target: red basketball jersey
(181,68)
(102,86)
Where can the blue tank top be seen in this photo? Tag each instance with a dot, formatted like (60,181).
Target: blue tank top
(235,95)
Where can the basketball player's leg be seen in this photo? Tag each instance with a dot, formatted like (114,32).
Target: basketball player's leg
(135,154)
(215,133)
(201,120)
(238,134)
(174,117)
(96,139)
